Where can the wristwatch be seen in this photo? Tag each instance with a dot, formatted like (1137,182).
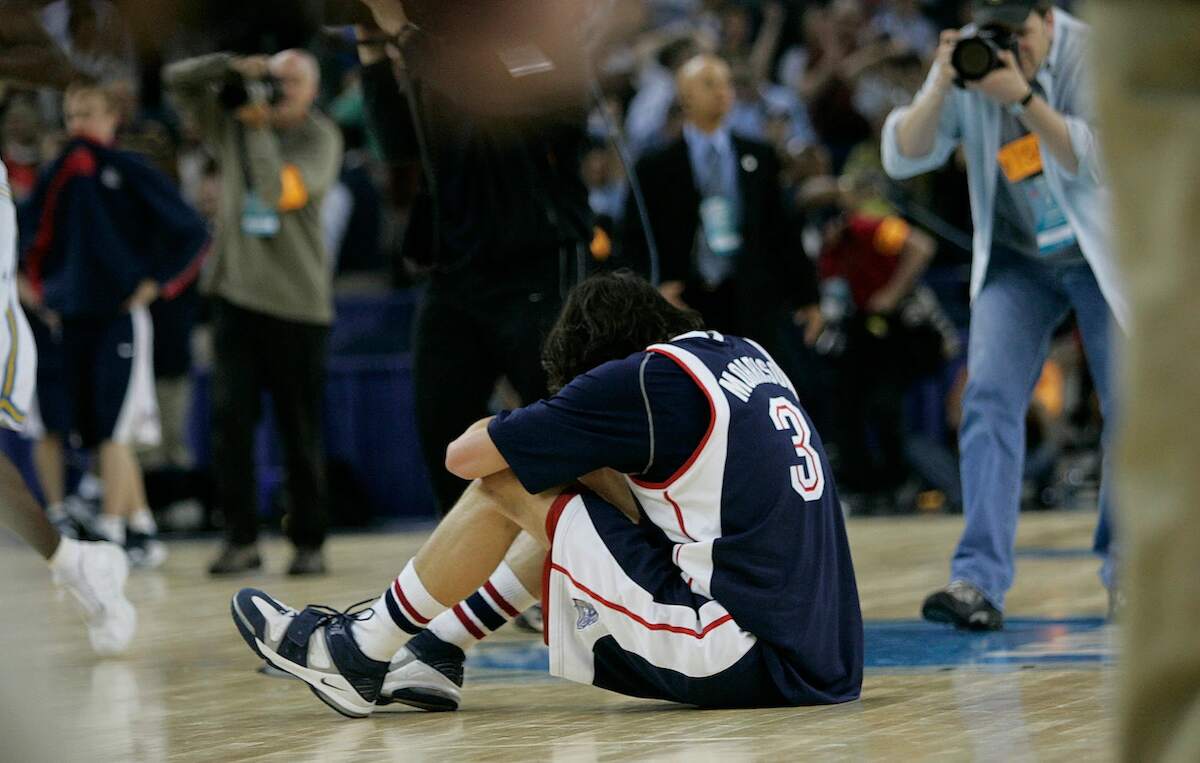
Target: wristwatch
(1017,108)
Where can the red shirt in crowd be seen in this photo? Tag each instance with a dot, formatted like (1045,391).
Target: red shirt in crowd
(866,254)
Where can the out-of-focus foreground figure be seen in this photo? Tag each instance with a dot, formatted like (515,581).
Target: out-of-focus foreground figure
(1149,103)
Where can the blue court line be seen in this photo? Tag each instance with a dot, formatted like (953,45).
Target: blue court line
(1023,642)
(890,645)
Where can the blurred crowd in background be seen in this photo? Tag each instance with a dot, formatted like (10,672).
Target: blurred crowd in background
(815,80)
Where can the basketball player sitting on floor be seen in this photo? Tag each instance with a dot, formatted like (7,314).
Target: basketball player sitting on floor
(703,559)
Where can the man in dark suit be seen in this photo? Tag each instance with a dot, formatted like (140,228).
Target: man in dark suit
(715,207)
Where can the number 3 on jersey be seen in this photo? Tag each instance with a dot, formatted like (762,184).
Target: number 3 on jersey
(808,476)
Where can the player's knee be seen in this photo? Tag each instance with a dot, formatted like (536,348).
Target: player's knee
(504,487)
(511,498)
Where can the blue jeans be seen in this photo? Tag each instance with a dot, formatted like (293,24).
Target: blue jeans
(1012,319)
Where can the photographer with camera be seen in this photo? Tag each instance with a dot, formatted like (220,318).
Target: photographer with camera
(270,281)
(1012,90)
(492,103)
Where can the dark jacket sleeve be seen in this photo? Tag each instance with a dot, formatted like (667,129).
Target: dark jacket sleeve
(388,114)
(183,234)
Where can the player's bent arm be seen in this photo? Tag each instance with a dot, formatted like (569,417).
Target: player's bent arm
(473,454)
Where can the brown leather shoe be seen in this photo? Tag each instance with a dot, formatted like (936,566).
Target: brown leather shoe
(307,561)
(236,559)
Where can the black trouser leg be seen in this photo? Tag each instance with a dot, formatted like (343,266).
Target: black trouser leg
(522,335)
(236,391)
(296,381)
(453,377)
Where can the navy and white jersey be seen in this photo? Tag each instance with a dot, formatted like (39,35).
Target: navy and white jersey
(724,461)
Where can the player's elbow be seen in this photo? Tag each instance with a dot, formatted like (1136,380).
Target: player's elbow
(457,461)
(462,459)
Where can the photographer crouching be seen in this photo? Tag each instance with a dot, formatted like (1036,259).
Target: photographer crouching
(1012,90)
(270,282)
(491,100)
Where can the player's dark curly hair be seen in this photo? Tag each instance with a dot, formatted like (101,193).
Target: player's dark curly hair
(607,317)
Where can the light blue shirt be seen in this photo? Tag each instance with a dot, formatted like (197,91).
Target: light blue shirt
(700,146)
(715,178)
(973,120)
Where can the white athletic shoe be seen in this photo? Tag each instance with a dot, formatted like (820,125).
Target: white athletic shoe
(426,673)
(97,581)
(145,550)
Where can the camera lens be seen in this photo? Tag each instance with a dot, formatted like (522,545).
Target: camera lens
(973,58)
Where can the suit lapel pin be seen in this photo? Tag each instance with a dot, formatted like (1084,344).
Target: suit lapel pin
(749,163)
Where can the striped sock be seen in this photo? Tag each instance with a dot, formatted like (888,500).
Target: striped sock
(403,610)
(500,599)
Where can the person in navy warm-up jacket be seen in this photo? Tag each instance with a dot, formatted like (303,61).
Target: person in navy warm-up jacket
(109,235)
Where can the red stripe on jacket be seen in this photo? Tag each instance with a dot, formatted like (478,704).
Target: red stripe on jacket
(79,163)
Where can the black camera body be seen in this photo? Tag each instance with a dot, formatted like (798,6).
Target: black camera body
(236,91)
(976,55)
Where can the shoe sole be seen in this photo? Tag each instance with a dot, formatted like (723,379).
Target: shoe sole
(317,681)
(422,701)
(122,609)
(935,613)
(238,571)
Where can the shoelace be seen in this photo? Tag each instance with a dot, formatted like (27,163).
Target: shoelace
(329,614)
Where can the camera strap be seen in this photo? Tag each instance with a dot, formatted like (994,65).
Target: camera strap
(243,156)
(258,219)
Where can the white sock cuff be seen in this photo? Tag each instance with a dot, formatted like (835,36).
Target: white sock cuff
(505,583)
(142,521)
(448,628)
(415,599)
(66,556)
(112,528)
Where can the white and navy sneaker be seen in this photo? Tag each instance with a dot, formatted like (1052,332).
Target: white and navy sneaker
(314,645)
(97,581)
(426,673)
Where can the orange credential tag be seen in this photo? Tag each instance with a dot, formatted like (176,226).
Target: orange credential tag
(1020,159)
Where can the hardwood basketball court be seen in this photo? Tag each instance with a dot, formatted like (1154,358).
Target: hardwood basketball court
(189,690)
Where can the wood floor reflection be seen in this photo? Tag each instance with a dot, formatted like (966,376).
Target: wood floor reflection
(189,691)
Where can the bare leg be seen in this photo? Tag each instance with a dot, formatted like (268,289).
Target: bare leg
(526,558)
(51,468)
(476,535)
(21,513)
(124,492)
(481,530)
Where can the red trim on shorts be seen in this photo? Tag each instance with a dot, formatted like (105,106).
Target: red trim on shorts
(712,422)
(509,609)
(555,513)
(552,517)
(412,611)
(546,598)
(678,516)
(466,621)
(640,620)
